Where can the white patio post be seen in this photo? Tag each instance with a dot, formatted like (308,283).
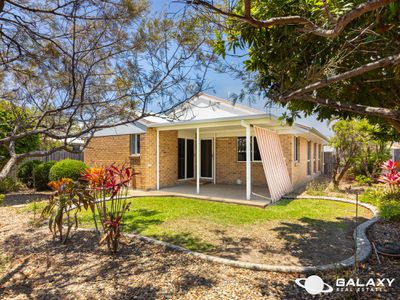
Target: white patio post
(215,158)
(158,159)
(248,159)
(198,160)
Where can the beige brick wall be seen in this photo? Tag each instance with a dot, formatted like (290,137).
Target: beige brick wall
(299,173)
(103,151)
(168,158)
(229,170)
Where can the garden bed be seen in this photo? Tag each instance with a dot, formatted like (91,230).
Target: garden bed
(282,234)
(37,267)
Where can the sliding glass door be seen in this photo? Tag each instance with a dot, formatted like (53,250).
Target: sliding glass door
(185,158)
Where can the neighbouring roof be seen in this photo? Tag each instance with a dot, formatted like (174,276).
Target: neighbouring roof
(204,109)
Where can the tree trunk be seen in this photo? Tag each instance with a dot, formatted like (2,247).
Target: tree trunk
(5,171)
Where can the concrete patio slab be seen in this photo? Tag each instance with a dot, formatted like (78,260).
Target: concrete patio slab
(226,193)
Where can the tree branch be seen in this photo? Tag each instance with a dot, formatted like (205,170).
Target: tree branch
(308,25)
(355,108)
(381,63)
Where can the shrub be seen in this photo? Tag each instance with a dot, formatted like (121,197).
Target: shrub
(388,202)
(390,210)
(9,184)
(317,187)
(25,171)
(67,168)
(41,175)
(362,179)
(2,199)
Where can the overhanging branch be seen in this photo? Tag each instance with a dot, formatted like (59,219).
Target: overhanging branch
(308,25)
(381,63)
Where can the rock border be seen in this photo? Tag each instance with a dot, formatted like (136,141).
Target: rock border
(364,247)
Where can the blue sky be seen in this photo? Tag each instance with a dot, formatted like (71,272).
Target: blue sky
(224,85)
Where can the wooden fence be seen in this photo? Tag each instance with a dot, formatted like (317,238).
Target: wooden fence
(59,155)
(328,163)
(56,156)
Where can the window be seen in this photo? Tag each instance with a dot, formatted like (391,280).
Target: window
(308,158)
(319,157)
(315,158)
(296,149)
(134,144)
(256,150)
(241,149)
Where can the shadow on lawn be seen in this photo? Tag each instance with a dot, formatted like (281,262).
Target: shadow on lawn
(139,220)
(317,241)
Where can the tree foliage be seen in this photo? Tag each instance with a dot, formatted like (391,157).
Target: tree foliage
(81,66)
(361,146)
(332,58)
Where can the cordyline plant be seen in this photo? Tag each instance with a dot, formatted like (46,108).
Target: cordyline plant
(391,175)
(109,189)
(64,205)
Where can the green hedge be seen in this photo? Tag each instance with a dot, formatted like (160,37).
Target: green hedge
(67,168)
(41,175)
(25,171)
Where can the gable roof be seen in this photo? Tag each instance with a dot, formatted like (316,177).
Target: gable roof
(210,110)
(205,106)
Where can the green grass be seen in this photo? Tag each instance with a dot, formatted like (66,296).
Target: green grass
(167,218)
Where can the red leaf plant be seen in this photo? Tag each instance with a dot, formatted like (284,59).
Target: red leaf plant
(109,188)
(68,199)
(390,174)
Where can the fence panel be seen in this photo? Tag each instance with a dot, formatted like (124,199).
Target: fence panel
(328,163)
(56,156)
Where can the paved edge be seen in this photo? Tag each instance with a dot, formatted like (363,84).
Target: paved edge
(364,247)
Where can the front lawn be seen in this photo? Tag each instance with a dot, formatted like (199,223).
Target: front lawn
(289,232)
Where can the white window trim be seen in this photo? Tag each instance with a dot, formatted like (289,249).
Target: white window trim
(252,150)
(309,155)
(136,152)
(296,150)
(314,150)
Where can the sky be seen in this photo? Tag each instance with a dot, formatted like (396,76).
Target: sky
(224,85)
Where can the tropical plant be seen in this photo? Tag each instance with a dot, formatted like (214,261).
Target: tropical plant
(25,171)
(40,175)
(67,168)
(391,175)
(64,205)
(110,185)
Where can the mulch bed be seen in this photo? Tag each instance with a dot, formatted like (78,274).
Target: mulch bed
(40,268)
(24,197)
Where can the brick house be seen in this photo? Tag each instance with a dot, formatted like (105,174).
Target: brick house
(214,132)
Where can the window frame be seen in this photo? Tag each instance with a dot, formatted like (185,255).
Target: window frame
(296,145)
(314,158)
(134,141)
(251,149)
(309,146)
(319,157)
